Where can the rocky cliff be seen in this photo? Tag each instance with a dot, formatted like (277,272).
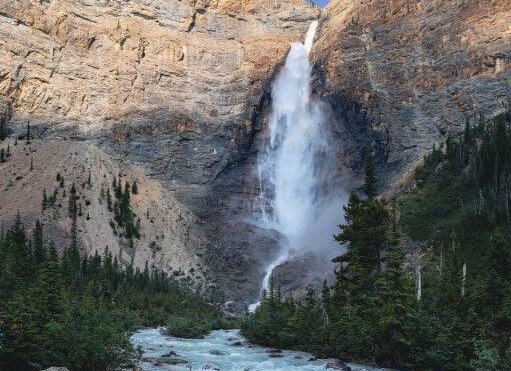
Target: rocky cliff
(176,95)
(401,75)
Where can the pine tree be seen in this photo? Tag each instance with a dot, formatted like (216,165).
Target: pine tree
(72,208)
(370,177)
(31,163)
(2,155)
(39,251)
(52,252)
(109,200)
(126,194)
(8,152)
(396,323)
(61,182)
(134,188)
(3,124)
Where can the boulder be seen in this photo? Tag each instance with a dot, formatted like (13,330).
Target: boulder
(337,365)
(216,352)
(274,351)
(158,361)
(170,354)
(210,366)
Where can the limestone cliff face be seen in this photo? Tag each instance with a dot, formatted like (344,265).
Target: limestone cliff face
(403,74)
(93,62)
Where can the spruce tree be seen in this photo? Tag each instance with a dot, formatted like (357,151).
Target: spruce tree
(396,323)
(39,251)
(3,124)
(52,252)
(72,208)
(2,155)
(134,188)
(109,200)
(370,176)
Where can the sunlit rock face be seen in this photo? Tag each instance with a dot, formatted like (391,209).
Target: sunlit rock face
(401,75)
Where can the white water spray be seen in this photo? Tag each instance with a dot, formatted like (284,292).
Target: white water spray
(288,166)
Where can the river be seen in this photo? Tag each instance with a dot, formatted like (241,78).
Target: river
(224,350)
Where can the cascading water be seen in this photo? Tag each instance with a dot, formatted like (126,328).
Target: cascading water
(288,165)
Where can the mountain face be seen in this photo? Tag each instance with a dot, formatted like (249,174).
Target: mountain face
(402,74)
(175,96)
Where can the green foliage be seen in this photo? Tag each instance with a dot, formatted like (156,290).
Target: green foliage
(370,176)
(186,327)
(123,214)
(78,311)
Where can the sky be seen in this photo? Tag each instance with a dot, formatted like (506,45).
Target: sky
(321,3)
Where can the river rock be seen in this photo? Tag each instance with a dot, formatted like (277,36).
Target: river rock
(210,366)
(237,344)
(170,354)
(216,352)
(338,365)
(157,361)
(274,351)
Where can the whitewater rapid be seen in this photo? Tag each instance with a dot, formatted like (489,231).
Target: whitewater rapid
(224,350)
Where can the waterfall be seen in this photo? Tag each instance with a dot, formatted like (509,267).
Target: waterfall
(288,165)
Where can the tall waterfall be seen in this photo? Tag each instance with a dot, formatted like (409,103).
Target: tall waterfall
(288,165)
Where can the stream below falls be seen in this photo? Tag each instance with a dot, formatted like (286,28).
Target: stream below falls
(224,350)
